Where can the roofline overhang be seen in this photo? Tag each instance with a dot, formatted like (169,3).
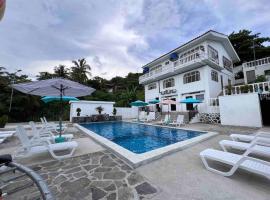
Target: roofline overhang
(224,38)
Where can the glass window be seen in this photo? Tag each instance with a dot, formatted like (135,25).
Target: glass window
(191,77)
(156,68)
(227,63)
(200,97)
(213,54)
(168,83)
(152,86)
(267,72)
(214,75)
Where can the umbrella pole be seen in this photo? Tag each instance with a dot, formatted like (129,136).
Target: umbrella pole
(61,109)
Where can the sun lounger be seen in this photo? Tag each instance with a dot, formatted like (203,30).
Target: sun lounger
(179,121)
(165,121)
(245,162)
(5,134)
(256,147)
(248,138)
(50,126)
(31,147)
(43,133)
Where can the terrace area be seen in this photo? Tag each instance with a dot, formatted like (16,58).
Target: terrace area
(95,172)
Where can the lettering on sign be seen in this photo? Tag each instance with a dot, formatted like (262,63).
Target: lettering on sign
(173,91)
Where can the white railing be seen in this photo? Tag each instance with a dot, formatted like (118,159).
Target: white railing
(263,87)
(259,62)
(189,58)
(176,65)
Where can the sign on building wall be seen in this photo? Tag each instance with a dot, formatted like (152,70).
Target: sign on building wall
(165,92)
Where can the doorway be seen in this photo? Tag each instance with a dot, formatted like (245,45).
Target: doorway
(173,106)
(221,81)
(265,108)
(189,106)
(251,77)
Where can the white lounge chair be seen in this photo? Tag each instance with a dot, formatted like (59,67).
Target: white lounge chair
(50,126)
(179,121)
(6,134)
(249,138)
(31,147)
(165,121)
(257,146)
(48,135)
(236,161)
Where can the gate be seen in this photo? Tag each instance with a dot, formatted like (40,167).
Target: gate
(265,108)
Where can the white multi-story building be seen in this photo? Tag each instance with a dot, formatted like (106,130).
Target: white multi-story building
(200,68)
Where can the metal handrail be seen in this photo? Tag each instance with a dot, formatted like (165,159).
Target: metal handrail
(40,183)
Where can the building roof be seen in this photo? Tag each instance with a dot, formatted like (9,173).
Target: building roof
(209,35)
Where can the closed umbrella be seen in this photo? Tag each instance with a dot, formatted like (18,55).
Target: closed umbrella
(57,87)
(190,101)
(155,101)
(138,103)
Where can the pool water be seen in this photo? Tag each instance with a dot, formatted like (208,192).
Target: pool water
(140,138)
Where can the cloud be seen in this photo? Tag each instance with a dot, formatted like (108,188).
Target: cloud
(115,36)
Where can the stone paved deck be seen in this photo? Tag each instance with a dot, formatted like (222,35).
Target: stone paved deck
(99,175)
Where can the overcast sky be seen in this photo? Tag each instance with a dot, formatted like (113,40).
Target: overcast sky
(115,36)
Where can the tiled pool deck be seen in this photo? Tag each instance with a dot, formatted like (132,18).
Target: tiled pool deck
(96,173)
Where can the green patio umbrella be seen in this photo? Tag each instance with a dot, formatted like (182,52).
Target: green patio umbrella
(155,101)
(138,103)
(48,99)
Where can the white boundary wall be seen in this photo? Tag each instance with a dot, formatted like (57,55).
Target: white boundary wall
(240,110)
(89,107)
(127,113)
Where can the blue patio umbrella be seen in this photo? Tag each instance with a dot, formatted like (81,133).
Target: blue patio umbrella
(190,101)
(155,101)
(138,103)
(48,99)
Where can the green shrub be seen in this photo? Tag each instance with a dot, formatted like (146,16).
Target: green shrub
(244,88)
(99,109)
(3,121)
(78,110)
(114,111)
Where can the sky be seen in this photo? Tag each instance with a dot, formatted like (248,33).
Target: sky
(115,36)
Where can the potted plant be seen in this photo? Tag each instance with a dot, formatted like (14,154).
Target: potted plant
(3,121)
(114,111)
(78,110)
(99,109)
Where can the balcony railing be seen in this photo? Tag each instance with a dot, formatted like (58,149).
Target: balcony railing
(263,87)
(196,56)
(256,63)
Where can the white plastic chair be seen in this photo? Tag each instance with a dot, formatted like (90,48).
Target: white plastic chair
(249,138)
(43,133)
(257,146)
(245,162)
(31,147)
(50,126)
(179,121)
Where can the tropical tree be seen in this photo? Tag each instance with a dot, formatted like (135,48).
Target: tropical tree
(80,71)
(61,71)
(244,41)
(129,95)
(44,76)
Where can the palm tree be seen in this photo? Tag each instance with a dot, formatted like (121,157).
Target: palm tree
(80,71)
(44,76)
(129,95)
(61,71)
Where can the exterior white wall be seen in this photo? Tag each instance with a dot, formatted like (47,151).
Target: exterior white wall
(240,110)
(88,108)
(259,70)
(127,113)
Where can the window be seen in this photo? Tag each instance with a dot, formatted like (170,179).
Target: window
(213,54)
(267,72)
(200,97)
(152,86)
(168,83)
(191,77)
(166,63)
(214,75)
(227,63)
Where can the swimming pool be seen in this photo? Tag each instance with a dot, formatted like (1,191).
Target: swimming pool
(140,138)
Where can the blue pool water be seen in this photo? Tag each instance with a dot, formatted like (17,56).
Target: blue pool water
(140,138)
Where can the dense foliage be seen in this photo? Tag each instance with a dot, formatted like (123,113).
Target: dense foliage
(122,90)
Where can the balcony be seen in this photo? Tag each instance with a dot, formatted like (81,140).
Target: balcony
(187,63)
(255,63)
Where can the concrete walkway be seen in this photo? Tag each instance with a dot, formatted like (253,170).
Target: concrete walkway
(183,176)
